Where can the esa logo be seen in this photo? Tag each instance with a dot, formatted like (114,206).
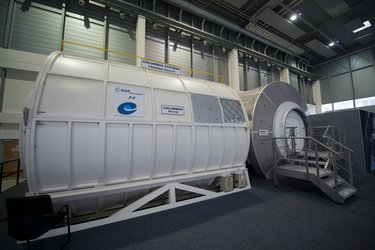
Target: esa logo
(127,108)
(122,90)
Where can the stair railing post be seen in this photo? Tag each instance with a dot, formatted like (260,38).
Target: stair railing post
(274,151)
(350,168)
(306,158)
(316,163)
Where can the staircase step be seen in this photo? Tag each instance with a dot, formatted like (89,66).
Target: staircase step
(304,161)
(347,191)
(331,181)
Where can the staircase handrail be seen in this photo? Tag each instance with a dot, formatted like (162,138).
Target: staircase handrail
(315,140)
(333,140)
(330,150)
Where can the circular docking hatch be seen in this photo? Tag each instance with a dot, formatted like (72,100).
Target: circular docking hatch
(274,110)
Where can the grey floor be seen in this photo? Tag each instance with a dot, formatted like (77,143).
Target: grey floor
(295,215)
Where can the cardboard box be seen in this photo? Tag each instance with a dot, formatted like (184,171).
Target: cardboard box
(10,151)
(226,183)
(240,180)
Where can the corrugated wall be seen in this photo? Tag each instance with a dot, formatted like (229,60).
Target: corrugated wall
(202,61)
(121,37)
(4,4)
(36,29)
(336,81)
(252,74)
(180,52)
(220,65)
(155,43)
(76,31)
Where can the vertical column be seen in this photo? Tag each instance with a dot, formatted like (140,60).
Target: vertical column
(284,75)
(317,95)
(8,24)
(140,39)
(62,25)
(106,33)
(233,70)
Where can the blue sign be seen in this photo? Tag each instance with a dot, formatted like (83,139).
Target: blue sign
(127,108)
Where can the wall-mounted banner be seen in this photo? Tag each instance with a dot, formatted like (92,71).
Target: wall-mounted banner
(128,101)
(148,64)
(172,110)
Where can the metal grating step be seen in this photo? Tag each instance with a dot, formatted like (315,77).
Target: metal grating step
(347,191)
(321,154)
(304,161)
(302,169)
(331,181)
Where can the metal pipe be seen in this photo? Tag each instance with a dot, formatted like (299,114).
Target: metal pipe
(181,10)
(221,31)
(265,50)
(238,37)
(193,30)
(154,5)
(221,21)
(202,27)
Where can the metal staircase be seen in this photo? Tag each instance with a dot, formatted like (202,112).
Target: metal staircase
(327,165)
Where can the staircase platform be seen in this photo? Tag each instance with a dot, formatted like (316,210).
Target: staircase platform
(322,163)
(321,154)
(299,171)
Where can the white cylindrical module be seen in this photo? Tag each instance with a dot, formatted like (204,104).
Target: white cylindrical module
(94,128)
(274,110)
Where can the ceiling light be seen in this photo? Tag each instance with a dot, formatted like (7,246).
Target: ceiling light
(366,24)
(293,17)
(205,43)
(331,44)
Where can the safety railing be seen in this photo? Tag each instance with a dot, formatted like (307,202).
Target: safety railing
(190,70)
(307,151)
(17,172)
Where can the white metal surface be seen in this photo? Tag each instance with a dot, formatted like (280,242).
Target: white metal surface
(85,145)
(273,110)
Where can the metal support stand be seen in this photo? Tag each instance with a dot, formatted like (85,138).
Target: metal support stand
(136,209)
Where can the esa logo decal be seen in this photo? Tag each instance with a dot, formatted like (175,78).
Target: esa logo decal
(127,108)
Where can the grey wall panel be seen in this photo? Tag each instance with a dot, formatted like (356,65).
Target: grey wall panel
(275,74)
(155,43)
(121,37)
(202,61)
(252,77)
(309,92)
(264,77)
(220,66)
(321,72)
(351,129)
(35,30)
(339,67)
(241,76)
(364,82)
(294,81)
(76,31)
(325,91)
(363,59)
(180,52)
(341,88)
(4,4)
